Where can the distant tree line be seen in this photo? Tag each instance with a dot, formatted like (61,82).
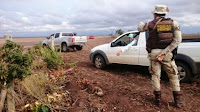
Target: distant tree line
(117,32)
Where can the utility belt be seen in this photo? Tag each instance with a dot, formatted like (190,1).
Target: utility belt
(168,57)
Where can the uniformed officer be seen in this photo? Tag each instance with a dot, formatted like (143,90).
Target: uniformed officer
(164,37)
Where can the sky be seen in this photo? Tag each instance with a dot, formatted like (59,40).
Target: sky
(32,18)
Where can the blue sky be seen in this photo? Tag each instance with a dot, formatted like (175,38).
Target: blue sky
(32,18)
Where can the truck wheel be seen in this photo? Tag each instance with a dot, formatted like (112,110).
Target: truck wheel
(64,47)
(79,48)
(44,45)
(99,62)
(184,72)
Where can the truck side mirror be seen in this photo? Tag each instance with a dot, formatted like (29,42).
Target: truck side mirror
(112,44)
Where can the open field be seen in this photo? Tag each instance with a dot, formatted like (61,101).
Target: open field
(29,41)
(26,42)
(191,35)
(126,88)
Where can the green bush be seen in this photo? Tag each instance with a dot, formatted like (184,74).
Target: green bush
(13,63)
(52,58)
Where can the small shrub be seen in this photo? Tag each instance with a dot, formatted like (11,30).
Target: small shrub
(13,63)
(52,58)
(41,108)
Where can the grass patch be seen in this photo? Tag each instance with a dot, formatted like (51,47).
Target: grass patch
(73,64)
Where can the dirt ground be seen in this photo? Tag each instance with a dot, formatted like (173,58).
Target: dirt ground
(125,88)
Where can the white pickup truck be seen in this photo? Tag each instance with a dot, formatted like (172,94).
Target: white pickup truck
(66,40)
(187,59)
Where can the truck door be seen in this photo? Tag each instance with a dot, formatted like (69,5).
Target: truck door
(56,39)
(143,56)
(128,57)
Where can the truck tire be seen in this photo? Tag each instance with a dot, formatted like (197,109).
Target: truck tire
(64,47)
(184,72)
(44,45)
(79,48)
(99,62)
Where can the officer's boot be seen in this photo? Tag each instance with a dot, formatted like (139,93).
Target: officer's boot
(157,97)
(177,99)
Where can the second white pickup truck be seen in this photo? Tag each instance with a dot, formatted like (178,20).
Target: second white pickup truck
(66,40)
(187,59)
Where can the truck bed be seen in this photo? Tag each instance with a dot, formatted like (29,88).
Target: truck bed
(191,40)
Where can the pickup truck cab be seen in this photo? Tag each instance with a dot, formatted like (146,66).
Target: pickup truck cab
(187,59)
(65,40)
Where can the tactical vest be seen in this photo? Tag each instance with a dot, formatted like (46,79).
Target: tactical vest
(160,36)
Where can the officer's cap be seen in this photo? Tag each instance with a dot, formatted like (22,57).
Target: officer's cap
(161,9)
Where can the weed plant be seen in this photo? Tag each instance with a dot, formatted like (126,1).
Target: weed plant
(16,64)
(52,58)
(13,63)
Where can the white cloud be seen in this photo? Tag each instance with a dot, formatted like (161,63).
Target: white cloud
(19,13)
(189,20)
(26,20)
(88,16)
